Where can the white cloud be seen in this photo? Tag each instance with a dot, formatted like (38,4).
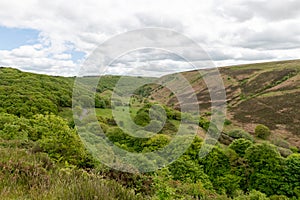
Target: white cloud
(233,31)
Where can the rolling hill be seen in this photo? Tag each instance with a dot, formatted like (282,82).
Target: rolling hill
(46,157)
(264,93)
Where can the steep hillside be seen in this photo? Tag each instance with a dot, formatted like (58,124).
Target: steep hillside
(265,93)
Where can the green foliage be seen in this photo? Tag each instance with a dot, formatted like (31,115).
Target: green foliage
(142,117)
(240,133)
(192,190)
(292,173)
(27,94)
(34,176)
(253,195)
(278,197)
(281,143)
(262,131)
(13,127)
(240,146)
(41,153)
(59,141)
(227,122)
(144,91)
(263,156)
(294,149)
(216,163)
(229,184)
(172,114)
(124,140)
(163,190)
(187,170)
(204,123)
(267,170)
(284,152)
(156,142)
(52,134)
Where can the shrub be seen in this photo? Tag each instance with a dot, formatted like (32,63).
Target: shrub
(240,146)
(294,149)
(284,152)
(227,122)
(240,133)
(228,183)
(262,131)
(187,170)
(142,117)
(61,143)
(281,143)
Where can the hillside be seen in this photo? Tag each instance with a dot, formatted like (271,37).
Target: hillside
(26,94)
(45,156)
(265,93)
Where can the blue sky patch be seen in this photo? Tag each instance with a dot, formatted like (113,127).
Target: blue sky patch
(11,38)
(77,55)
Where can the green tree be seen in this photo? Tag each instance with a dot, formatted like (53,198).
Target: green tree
(267,168)
(292,173)
(187,170)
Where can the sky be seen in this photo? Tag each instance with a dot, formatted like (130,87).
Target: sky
(56,37)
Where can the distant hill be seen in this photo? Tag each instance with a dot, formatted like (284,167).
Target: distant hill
(264,93)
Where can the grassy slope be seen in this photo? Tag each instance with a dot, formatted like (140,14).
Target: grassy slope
(266,93)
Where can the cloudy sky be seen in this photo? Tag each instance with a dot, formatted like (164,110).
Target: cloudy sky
(55,37)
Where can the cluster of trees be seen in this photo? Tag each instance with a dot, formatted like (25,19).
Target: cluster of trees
(256,169)
(242,168)
(50,133)
(26,94)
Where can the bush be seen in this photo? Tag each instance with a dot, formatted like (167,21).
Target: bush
(240,133)
(187,170)
(284,152)
(262,131)
(240,146)
(227,122)
(281,143)
(294,149)
(55,137)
